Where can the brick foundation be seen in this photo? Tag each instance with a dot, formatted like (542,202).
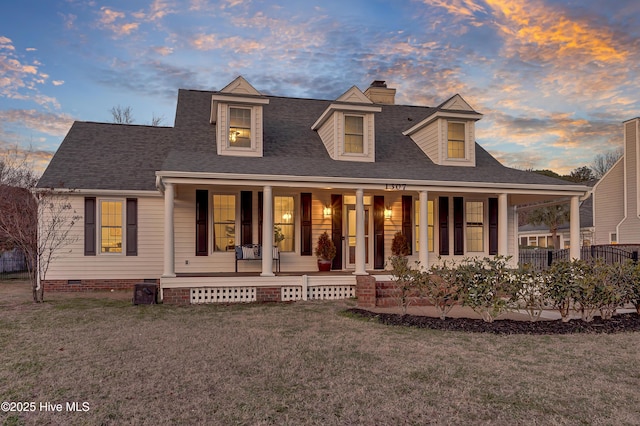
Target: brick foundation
(93,285)
(268,294)
(176,296)
(384,294)
(366,291)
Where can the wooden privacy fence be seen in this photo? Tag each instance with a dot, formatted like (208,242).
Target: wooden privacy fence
(540,259)
(13,265)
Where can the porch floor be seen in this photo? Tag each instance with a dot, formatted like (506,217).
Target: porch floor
(277,274)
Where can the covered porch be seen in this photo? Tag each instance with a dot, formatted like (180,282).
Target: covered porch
(207,217)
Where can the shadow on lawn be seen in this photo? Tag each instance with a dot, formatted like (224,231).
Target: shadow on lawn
(619,323)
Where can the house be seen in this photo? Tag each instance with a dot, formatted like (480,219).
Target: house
(170,205)
(530,235)
(616,200)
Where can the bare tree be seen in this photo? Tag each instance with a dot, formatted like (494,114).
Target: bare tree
(38,222)
(603,162)
(16,169)
(122,115)
(156,120)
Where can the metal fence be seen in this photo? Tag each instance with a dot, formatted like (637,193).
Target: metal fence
(540,258)
(13,265)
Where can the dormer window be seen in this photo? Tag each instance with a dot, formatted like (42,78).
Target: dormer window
(353,134)
(456,140)
(347,127)
(239,127)
(237,112)
(447,135)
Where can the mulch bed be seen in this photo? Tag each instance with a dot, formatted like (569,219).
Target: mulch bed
(618,324)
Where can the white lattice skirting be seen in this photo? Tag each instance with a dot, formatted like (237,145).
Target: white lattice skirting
(325,292)
(223,295)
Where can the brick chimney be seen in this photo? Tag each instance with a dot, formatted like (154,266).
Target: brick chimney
(379,93)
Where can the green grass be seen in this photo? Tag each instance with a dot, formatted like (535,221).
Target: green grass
(300,363)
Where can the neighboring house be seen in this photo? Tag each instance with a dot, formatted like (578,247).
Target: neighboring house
(169,205)
(616,205)
(540,236)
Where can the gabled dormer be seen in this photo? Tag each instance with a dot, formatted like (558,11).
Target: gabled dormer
(236,111)
(347,127)
(447,135)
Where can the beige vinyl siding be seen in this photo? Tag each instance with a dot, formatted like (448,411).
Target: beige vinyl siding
(327,133)
(629,228)
(608,203)
(222,128)
(72,264)
(427,140)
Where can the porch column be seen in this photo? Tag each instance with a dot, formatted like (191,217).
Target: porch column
(169,248)
(423,245)
(361,253)
(267,233)
(503,225)
(574,228)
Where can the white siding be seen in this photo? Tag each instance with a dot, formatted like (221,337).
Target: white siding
(73,264)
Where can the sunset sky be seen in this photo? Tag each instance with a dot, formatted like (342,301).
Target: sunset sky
(554,79)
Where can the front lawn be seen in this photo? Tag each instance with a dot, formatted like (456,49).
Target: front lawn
(299,363)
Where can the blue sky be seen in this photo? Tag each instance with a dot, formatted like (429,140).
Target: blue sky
(554,79)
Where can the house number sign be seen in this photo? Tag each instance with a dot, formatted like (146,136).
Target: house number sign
(396,186)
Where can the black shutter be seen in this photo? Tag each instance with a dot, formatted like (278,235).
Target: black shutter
(493,226)
(260,210)
(246,206)
(336,229)
(458,225)
(305,224)
(378,231)
(90,226)
(132,226)
(202,213)
(443,225)
(407,223)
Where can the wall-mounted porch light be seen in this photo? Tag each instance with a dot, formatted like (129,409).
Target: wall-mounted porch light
(387,213)
(326,211)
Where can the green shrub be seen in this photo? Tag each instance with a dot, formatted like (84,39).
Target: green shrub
(486,287)
(405,280)
(562,286)
(442,286)
(529,290)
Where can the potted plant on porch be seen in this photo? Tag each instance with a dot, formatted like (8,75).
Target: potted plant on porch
(325,251)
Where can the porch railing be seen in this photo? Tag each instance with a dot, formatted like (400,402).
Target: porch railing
(540,259)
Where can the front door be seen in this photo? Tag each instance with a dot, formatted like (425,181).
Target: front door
(350,241)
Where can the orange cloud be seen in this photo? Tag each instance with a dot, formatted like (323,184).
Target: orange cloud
(534,25)
(237,44)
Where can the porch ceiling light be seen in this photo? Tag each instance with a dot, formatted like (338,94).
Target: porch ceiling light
(326,211)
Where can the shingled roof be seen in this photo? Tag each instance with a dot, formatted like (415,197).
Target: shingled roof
(126,157)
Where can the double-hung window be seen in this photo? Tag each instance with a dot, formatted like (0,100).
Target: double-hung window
(239,127)
(224,222)
(111,212)
(474,213)
(456,140)
(284,222)
(353,134)
(429,224)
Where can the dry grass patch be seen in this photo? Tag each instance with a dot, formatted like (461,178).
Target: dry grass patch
(301,363)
